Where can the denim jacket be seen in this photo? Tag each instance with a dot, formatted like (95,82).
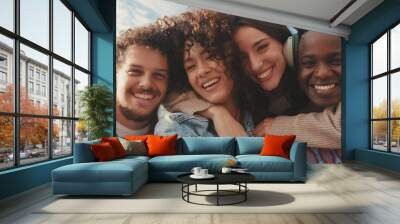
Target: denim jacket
(186,125)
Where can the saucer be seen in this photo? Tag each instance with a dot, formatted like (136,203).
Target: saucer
(208,176)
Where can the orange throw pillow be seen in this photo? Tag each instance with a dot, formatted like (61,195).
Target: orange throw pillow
(103,151)
(275,145)
(161,145)
(116,145)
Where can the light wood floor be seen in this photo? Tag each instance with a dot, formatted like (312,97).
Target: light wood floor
(378,188)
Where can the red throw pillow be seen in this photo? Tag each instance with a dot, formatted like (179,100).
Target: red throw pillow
(275,145)
(116,145)
(103,151)
(161,145)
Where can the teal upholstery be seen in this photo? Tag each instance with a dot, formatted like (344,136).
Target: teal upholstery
(257,163)
(298,155)
(184,163)
(207,145)
(273,176)
(125,176)
(119,177)
(83,152)
(249,145)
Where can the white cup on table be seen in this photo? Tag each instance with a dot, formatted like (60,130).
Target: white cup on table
(203,172)
(196,171)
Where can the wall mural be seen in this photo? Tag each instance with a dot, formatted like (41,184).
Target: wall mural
(196,72)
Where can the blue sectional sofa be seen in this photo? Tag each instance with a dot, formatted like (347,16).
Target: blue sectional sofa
(125,176)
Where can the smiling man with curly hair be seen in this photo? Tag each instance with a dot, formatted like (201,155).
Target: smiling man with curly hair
(143,76)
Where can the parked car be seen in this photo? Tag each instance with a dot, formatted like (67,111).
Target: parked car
(22,155)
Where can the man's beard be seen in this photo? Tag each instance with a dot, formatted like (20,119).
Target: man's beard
(129,115)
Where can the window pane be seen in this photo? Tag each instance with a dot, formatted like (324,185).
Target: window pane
(34,79)
(379,135)
(62,29)
(6,74)
(62,89)
(62,138)
(81,45)
(395,47)
(379,97)
(35,21)
(81,81)
(379,55)
(81,131)
(7,14)
(395,94)
(6,142)
(395,136)
(33,140)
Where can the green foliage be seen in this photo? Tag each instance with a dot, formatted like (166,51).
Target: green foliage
(380,127)
(96,102)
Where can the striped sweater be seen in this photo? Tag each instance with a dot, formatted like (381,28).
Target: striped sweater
(318,129)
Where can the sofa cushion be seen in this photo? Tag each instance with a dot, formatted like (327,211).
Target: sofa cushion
(83,153)
(129,159)
(277,145)
(103,152)
(134,147)
(249,145)
(185,163)
(257,163)
(112,171)
(161,145)
(207,145)
(116,145)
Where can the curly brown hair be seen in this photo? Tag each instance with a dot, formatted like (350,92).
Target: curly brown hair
(213,32)
(150,36)
(155,36)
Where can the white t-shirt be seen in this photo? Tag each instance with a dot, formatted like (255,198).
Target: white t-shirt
(123,131)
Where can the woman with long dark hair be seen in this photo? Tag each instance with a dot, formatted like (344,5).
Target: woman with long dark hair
(262,47)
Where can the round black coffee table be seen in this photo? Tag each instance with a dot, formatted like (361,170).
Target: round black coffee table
(238,179)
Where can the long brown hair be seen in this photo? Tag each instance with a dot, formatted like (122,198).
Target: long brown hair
(289,81)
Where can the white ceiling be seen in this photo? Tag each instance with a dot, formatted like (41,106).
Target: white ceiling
(319,9)
(317,15)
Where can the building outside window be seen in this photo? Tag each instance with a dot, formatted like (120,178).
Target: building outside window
(35,53)
(44,77)
(43,90)
(30,87)
(3,61)
(30,72)
(38,89)
(385,91)
(37,74)
(3,72)
(3,78)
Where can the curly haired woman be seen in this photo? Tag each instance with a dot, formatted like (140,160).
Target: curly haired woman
(212,102)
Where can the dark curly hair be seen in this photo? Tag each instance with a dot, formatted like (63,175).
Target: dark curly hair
(213,32)
(149,36)
(281,34)
(154,36)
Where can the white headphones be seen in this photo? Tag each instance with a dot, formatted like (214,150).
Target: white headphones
(291,48)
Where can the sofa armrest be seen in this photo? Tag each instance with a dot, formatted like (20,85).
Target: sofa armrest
(83,152)
(299,158)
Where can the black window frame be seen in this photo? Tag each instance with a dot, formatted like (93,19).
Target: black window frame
(16,115)
(388,74)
